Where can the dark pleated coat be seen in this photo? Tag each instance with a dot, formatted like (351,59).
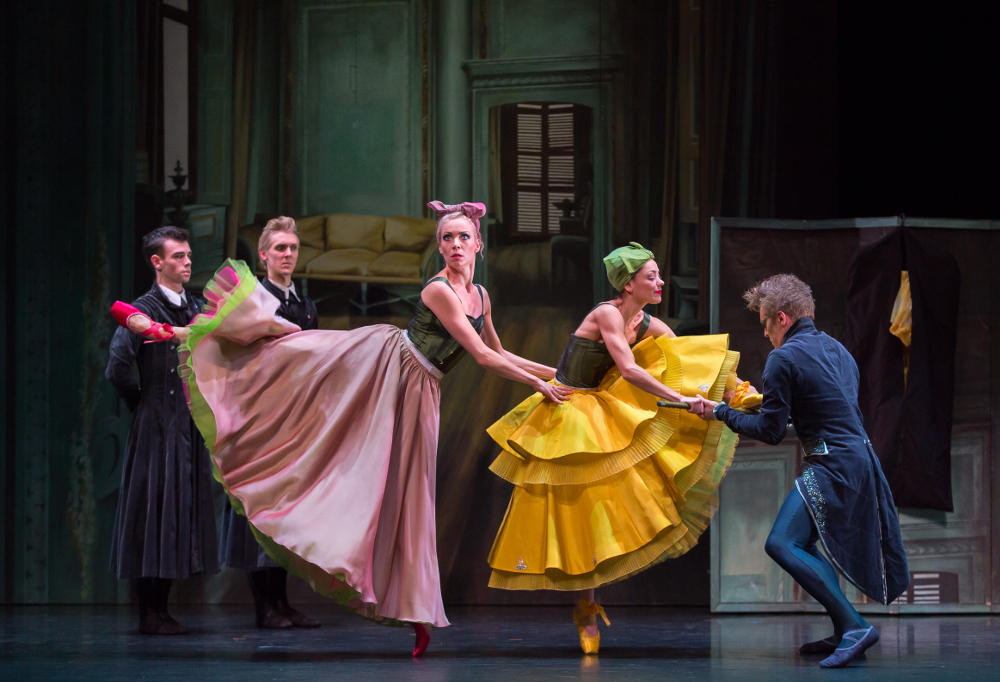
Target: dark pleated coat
(238,547)
(813,379)
(165,521)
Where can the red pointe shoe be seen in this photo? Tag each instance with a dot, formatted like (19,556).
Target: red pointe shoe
(423,639)
(123,312)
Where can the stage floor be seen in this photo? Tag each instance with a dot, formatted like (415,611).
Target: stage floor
(485,643)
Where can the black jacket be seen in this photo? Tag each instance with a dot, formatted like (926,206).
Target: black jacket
(301,311)
(165,521)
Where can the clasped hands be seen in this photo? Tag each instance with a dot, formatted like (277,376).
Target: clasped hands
(705,408)
(700,406)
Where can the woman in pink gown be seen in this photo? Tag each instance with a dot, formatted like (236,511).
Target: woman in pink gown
(327,440)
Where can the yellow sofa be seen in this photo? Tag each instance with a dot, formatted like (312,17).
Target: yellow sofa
(392,250)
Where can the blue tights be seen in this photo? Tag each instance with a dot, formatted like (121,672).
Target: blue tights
(792,545)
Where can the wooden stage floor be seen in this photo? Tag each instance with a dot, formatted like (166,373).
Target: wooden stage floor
(484,643)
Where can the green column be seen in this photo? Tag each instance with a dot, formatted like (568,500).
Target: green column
(453,39)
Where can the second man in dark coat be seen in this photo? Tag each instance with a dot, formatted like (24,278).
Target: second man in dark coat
(279,251)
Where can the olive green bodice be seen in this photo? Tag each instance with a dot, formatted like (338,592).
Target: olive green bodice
(431,338)
(585,361)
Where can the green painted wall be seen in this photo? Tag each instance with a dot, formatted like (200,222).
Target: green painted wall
(356,109)
(554,28)
(215,102)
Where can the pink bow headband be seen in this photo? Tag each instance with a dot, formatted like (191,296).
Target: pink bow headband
(471,210)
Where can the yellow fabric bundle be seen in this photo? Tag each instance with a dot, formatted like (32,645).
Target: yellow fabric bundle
(744,400)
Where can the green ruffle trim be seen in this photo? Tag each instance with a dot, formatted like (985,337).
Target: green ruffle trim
(232,285)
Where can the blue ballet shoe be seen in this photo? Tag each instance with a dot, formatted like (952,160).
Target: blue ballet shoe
(863,640)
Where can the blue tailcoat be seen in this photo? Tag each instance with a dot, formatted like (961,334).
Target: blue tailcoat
(813,379)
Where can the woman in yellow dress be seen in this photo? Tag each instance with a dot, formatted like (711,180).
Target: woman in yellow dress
(609,483)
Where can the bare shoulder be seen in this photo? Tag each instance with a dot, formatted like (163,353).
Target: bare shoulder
(607,318)
(436,292)
(603,312)
(658,327)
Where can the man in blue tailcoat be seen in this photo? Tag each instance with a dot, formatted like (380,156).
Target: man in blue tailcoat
(841,499)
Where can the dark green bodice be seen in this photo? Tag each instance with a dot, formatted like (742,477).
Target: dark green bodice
(585,361)
(432,340)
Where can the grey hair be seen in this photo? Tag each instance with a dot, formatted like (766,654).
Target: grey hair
(782,293)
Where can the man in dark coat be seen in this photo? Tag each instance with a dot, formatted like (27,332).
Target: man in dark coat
(841,499)
(165,522)
(279,251)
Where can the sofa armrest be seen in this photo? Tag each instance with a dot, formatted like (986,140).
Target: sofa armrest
(430,261)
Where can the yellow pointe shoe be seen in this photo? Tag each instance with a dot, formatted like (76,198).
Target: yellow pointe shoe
(583,611)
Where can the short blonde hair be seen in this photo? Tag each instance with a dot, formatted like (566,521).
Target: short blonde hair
(782,293)
(280,224)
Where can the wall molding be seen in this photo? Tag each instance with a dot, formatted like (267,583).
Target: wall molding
(506,72)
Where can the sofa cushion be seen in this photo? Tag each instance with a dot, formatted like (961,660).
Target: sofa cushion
(306,256)
(396,264)
(348,231)
(408,234)
(342,262)
(251,233)
(311,231)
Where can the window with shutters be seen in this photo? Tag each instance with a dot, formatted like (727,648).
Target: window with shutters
(542,165)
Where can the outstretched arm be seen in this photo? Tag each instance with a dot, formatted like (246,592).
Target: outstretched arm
(609,322)
(448,309)
(138,321)
(771,424)
(492,339)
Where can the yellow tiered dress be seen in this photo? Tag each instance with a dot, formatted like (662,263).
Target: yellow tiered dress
(608,484)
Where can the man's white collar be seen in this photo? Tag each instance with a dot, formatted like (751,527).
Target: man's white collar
(172,296)
(289,290)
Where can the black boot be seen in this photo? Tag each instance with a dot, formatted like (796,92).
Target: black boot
(267,617)
(161,589)
(277,592)
(149,621)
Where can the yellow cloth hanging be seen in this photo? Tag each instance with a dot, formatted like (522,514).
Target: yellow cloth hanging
(902,320)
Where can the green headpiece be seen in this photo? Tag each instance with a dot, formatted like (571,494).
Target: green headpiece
(623,262)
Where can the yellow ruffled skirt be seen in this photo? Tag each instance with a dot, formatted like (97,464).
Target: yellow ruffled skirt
(608,484)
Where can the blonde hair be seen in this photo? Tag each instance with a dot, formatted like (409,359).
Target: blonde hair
(459,214)
(280,224)
(782,293)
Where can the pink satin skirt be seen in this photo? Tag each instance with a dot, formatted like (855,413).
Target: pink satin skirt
(327,441)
